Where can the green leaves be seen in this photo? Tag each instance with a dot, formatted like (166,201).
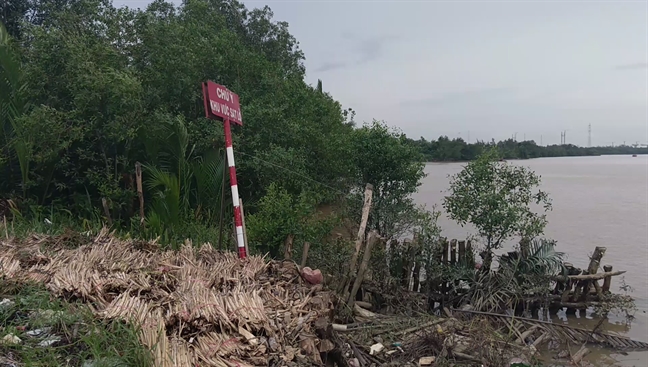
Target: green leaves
(280,215)
(385,159)
(497,198)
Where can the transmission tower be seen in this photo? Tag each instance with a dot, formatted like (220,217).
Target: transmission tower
(589,135)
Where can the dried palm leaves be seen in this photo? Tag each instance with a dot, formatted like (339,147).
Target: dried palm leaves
(193,306)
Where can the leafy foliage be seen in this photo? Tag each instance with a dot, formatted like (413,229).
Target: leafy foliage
(517,277)
(281,215)
(496,197)
(114,86)
(395,169)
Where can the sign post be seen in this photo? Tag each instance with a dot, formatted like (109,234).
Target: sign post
(222,104)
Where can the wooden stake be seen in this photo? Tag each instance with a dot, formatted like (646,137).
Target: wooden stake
(104,203)
(607,281)
(445,246)
(140,191)
(305,254)
(373,238)
(344,284)
(453,252)
(288,247)
(245,240)
(366,207)
(416,274)
(462,252)
(595,262)
(469,254)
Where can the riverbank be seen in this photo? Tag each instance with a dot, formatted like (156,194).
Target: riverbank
(444,149)
(180,304)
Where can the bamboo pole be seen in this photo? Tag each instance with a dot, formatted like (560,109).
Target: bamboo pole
(373,238)
(366,207)
(104,203)
(305,253)
(140,191)
(245,239)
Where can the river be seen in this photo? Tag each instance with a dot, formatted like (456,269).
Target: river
(597,201)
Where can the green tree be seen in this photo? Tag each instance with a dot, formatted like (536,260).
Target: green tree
(497,198)
(384,158)
(281,215)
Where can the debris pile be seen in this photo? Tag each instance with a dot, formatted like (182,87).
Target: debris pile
(194,306)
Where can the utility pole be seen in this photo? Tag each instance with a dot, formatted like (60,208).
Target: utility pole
(540,140)
(589,135)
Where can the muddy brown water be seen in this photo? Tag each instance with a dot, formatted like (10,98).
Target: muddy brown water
(597,201)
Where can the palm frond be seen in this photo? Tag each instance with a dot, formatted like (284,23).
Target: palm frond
(543,258)
(13,104)
(208,174)
(166,195)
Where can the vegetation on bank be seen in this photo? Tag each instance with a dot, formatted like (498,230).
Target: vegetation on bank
(39,330)
(454,150)
(124,87)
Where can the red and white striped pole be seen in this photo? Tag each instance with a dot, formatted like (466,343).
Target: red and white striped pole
(234,186)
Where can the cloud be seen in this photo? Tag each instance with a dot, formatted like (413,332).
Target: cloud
(469,95)
(372,48)
(635,66)
(365,50)
(328,66)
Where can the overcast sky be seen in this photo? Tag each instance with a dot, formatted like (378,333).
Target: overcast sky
(480,69)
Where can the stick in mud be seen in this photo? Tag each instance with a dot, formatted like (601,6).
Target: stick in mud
(305,254)
(607,281)
(288,247)
(371,240)
(594,265)
(368,195)
(245,240)
(104,203)
(140,191)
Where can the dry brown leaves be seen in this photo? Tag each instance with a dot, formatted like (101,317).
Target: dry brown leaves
(194,306)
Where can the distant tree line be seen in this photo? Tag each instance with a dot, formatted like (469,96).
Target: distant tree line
(445,149)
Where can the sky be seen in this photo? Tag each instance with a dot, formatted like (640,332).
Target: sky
(480,69)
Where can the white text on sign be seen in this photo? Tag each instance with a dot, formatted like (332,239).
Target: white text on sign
(225,110)
(225,94)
